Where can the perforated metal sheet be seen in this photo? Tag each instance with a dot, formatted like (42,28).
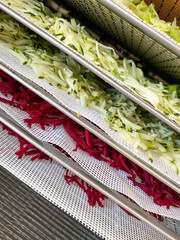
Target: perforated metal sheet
(128,36)
(166,9)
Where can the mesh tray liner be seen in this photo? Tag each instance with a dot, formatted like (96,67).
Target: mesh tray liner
(110,177)
(101,171)
(122,22)
(130,37)
(47,179)
(105,75)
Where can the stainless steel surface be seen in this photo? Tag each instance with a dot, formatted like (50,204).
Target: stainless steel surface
(174,48)
(92,128)
(131,33)
(25,215)
(76,169)
(98,71)
(147,42)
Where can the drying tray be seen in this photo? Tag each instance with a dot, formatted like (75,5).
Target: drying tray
(100,72)
(54,44)
(164,178)
(145,41)
(68,163)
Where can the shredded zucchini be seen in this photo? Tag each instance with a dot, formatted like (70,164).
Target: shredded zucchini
(150,16)
(134,124)
(75,36)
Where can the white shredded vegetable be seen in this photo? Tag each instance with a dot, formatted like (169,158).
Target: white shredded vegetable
(150,16)
(75,36)
(134,124)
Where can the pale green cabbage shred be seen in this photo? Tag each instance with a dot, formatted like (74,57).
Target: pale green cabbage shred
(134,124)
(150,16)
(75,36)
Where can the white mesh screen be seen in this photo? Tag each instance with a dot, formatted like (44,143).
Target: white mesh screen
(88,113)
(47,179)
(112,178)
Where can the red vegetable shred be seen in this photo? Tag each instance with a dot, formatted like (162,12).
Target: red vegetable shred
(27,149)
(94,196)
(42,113)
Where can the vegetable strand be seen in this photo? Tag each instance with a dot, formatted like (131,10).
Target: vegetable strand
(133,124)
(75,36)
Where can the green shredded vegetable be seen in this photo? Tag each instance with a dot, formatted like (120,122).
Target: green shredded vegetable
(75,36)
(150,16)
(134,124)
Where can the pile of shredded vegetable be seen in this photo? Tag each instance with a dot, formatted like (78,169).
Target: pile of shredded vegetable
(94,196)
(27,149)
(42,113)
(150,16)
(135,125)
(75,36)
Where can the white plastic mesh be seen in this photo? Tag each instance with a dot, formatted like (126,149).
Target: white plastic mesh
(112,178)
(47,179)
(95,117)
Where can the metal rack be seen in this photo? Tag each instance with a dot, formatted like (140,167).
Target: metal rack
(106,76)
(76,169)
(151,45)
(96,131)
(92,128)
(163,43)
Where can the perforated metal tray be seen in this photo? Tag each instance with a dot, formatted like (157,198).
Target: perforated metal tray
(167,10)
(76,169)
(132,33)
(84,123)
(106,76)
(19,203)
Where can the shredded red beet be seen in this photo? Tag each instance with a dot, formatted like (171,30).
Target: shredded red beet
(41,112)
(26,149)
(94,196)
(158,217)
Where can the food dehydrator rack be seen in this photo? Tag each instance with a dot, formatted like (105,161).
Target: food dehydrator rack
(153,46)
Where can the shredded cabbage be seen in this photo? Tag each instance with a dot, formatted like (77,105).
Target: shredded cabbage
(134,124)
(150,16)
(75,36)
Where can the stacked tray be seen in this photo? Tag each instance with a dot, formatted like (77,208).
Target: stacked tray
(145,41)
(165,54)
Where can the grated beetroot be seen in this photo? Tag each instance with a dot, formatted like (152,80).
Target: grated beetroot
(41,112)
(26,148)
(94,196)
